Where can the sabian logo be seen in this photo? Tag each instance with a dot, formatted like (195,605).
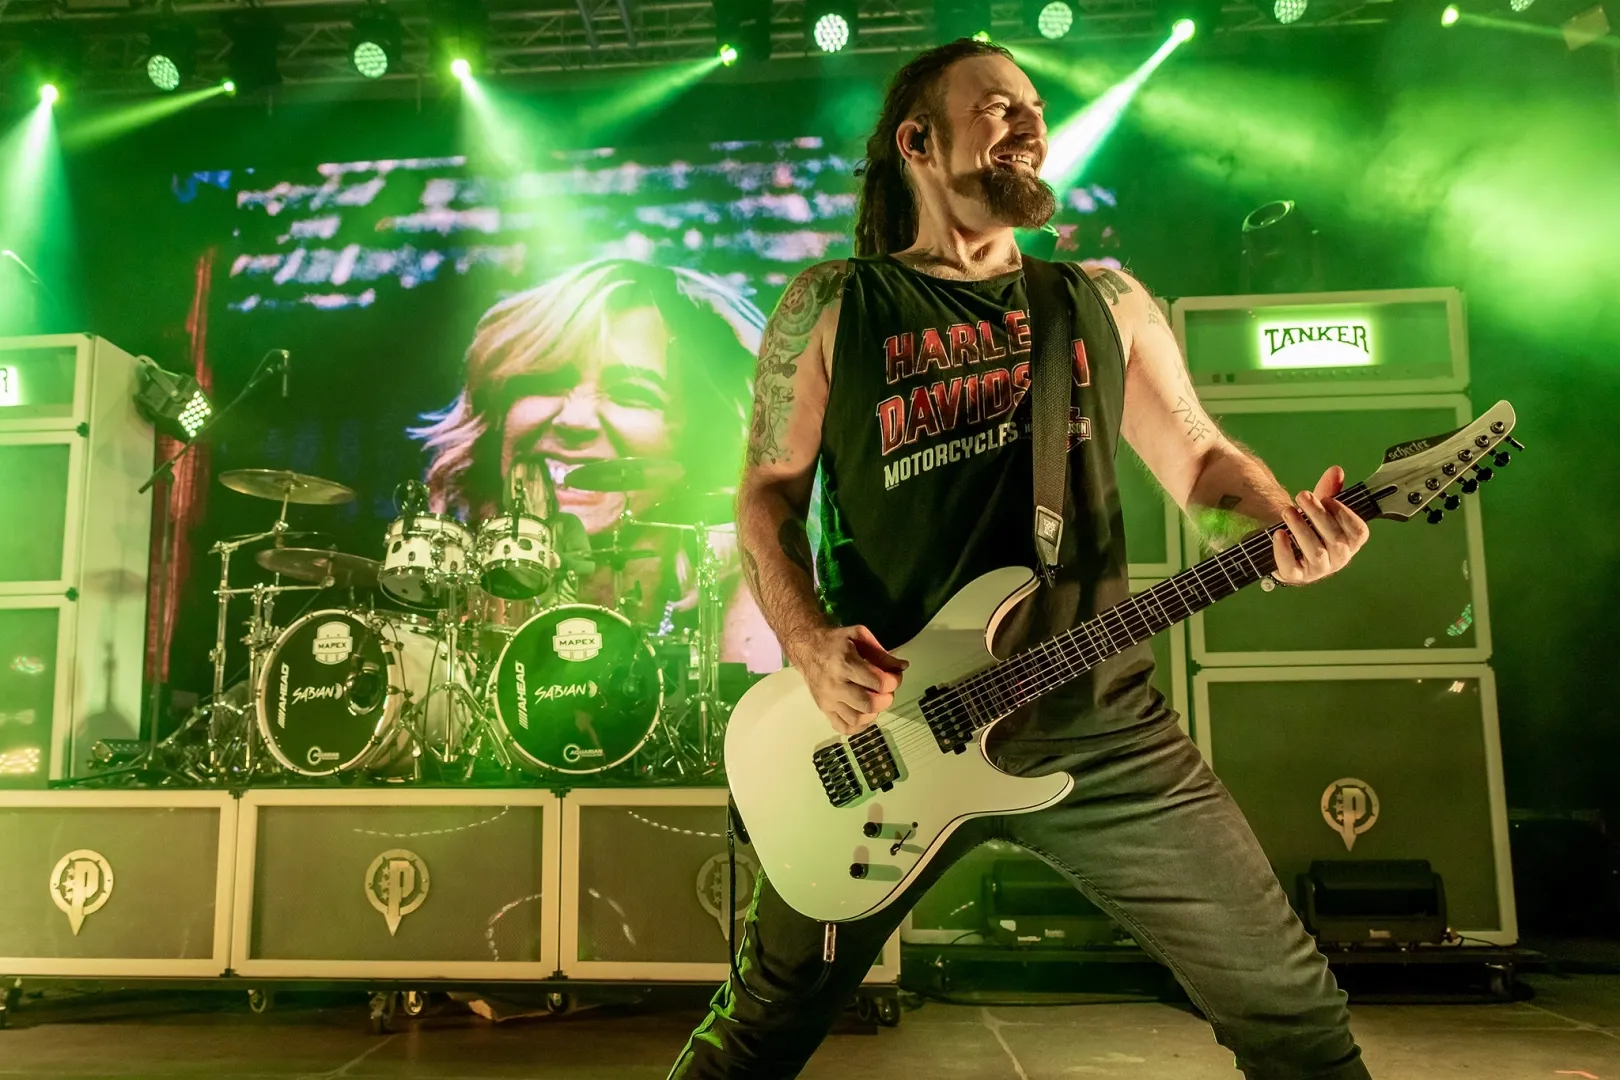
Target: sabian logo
(1350,808)
(556,693)
(576,640)
(396,884)
(317,693)
(80,885)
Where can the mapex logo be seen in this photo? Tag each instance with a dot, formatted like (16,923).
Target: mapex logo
(1350,808)
(334,642)
(318,757)
(1315,344)
(396,884)
(558,693)
(576,640)
(81,885)
(572,752)
(712,880)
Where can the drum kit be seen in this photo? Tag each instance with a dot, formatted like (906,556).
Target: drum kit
(401,680)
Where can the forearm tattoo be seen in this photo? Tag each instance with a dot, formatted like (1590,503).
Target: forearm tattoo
(786,335)
(795,543)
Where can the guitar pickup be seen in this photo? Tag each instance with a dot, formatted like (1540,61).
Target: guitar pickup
(949,717)
(875,759)
(837,774)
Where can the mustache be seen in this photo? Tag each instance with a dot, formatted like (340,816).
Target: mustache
(1015,145)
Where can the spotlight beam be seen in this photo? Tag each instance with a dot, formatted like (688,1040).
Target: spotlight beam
(127,118)
(1075,143)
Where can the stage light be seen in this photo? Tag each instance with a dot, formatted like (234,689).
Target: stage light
(252,63)
(229,86)
(955,19)
(171,55)
(1054,19)
(1450,16)
(981,35)
(461,68)
(1289,11)
(1520,5)
(376,42)
(174,404)
(742,28)
(1183,30)
(831,33)
(48,93)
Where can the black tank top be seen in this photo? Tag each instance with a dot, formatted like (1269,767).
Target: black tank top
(926,483)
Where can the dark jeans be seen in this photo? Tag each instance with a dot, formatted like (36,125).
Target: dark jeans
(1151,837)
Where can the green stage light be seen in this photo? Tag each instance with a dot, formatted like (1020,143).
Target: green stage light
(229,86)
(728,55)
(981,35)
(371,59)
(1289,11)
(831,32)
(48,94)
(164,73)
(1055,20)
(1450,16)
(1183,30)
(1520,5)
(460,68)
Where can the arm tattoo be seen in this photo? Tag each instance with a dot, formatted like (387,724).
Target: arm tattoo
(1187,408)
(1111,285)
(1229,502)
(795,543)
(786,336)
(750,567)
(1154,317)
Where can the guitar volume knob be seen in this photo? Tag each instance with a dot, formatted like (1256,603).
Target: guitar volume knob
(871,828)
(857,870)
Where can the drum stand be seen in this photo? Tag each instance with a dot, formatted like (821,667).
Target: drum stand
(464,741)
(711,711)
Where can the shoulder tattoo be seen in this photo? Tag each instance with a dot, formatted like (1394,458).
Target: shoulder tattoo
(786,335)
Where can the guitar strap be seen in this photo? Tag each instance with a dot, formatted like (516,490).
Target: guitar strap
(1051,318)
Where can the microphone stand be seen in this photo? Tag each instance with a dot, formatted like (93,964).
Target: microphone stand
(146,766)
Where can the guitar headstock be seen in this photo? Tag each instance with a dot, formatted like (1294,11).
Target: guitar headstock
(1417,473)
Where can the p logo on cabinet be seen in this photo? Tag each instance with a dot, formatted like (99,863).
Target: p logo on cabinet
(81,885)
(397,882)
(1350,808)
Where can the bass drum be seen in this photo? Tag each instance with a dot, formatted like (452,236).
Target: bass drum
(577,690)
(335,687)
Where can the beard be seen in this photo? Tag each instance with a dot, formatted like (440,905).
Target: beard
(1012,198)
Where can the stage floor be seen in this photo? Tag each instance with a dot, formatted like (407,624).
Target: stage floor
(1570,1028)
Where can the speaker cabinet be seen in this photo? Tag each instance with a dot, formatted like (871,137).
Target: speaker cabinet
(645,881)
(1399,762)
(1415,594)
(1153,531)
(116,883)
(74,451)
(411,883)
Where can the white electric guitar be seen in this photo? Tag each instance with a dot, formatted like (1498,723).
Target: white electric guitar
(842,825)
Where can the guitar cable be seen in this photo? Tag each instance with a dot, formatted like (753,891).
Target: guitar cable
(829,936)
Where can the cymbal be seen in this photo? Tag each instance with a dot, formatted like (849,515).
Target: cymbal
(317,564)
(692,507)
(276,484)
(617,557)
(292,538)
(624,474)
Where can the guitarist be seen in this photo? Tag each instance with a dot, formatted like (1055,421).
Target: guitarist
(900,375)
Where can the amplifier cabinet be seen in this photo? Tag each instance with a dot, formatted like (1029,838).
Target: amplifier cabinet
(427,883)
(74,452)
(116,883)
(645,876)
(1300,344)
(1415,594)
(1393,762)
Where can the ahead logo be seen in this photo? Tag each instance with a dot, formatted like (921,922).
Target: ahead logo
(1350,808)
(80,885)
(1315,344)
(713,877)
(396,884)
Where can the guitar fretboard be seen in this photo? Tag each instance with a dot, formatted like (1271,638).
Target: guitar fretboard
(1026,676)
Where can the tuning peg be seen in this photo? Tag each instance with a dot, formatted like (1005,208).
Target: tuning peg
(1483,473)
(1469,486)
(1452,502)
(1435,517)
(1515,443)
(1502,458)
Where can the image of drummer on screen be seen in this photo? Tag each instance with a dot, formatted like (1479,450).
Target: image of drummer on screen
(614,361)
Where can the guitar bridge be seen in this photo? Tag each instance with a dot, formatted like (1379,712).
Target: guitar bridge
(837,774)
